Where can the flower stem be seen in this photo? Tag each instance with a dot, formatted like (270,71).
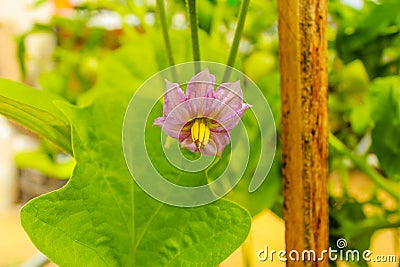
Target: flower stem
(191,9)
(167,42)
(367,225)
(237,36)
(389,186)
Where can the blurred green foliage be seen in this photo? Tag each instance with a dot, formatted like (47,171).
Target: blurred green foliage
(364,113)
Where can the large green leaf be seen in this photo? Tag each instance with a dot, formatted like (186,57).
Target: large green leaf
(36,111)
(102,218)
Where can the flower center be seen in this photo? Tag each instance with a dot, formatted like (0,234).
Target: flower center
(200,133)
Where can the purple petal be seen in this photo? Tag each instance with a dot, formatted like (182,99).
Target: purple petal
(203,107)
(173,97)
(172,128)
(188,143)
(210,108)
(209,150)
(201,85)
(220,140)
(230,94)
(176,119)
(159,121)
(182,113)
(198,108)
(184,134)
(229,119)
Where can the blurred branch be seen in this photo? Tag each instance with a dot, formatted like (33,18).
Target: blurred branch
(167,42)
(369,224)
(389,186)
(238,32)
(191,8)
(343,176)
(236,38)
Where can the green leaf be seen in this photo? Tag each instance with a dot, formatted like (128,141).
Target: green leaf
(102,218)
(36,111)
(264,197)
(360,118)
(385,92)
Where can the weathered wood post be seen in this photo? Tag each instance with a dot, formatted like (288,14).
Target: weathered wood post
(304,89)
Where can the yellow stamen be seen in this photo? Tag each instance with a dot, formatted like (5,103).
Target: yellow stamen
(200,133)
(195,130)
(206,136)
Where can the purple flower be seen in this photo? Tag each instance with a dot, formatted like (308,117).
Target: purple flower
(202,119)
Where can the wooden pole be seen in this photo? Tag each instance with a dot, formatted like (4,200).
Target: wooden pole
(303,48)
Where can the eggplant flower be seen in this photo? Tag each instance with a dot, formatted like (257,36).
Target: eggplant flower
(202,119)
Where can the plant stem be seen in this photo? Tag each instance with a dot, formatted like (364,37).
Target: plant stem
(369,224)
(389,186)
(167,42)
(343,176)
(237,36)
(191,9)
